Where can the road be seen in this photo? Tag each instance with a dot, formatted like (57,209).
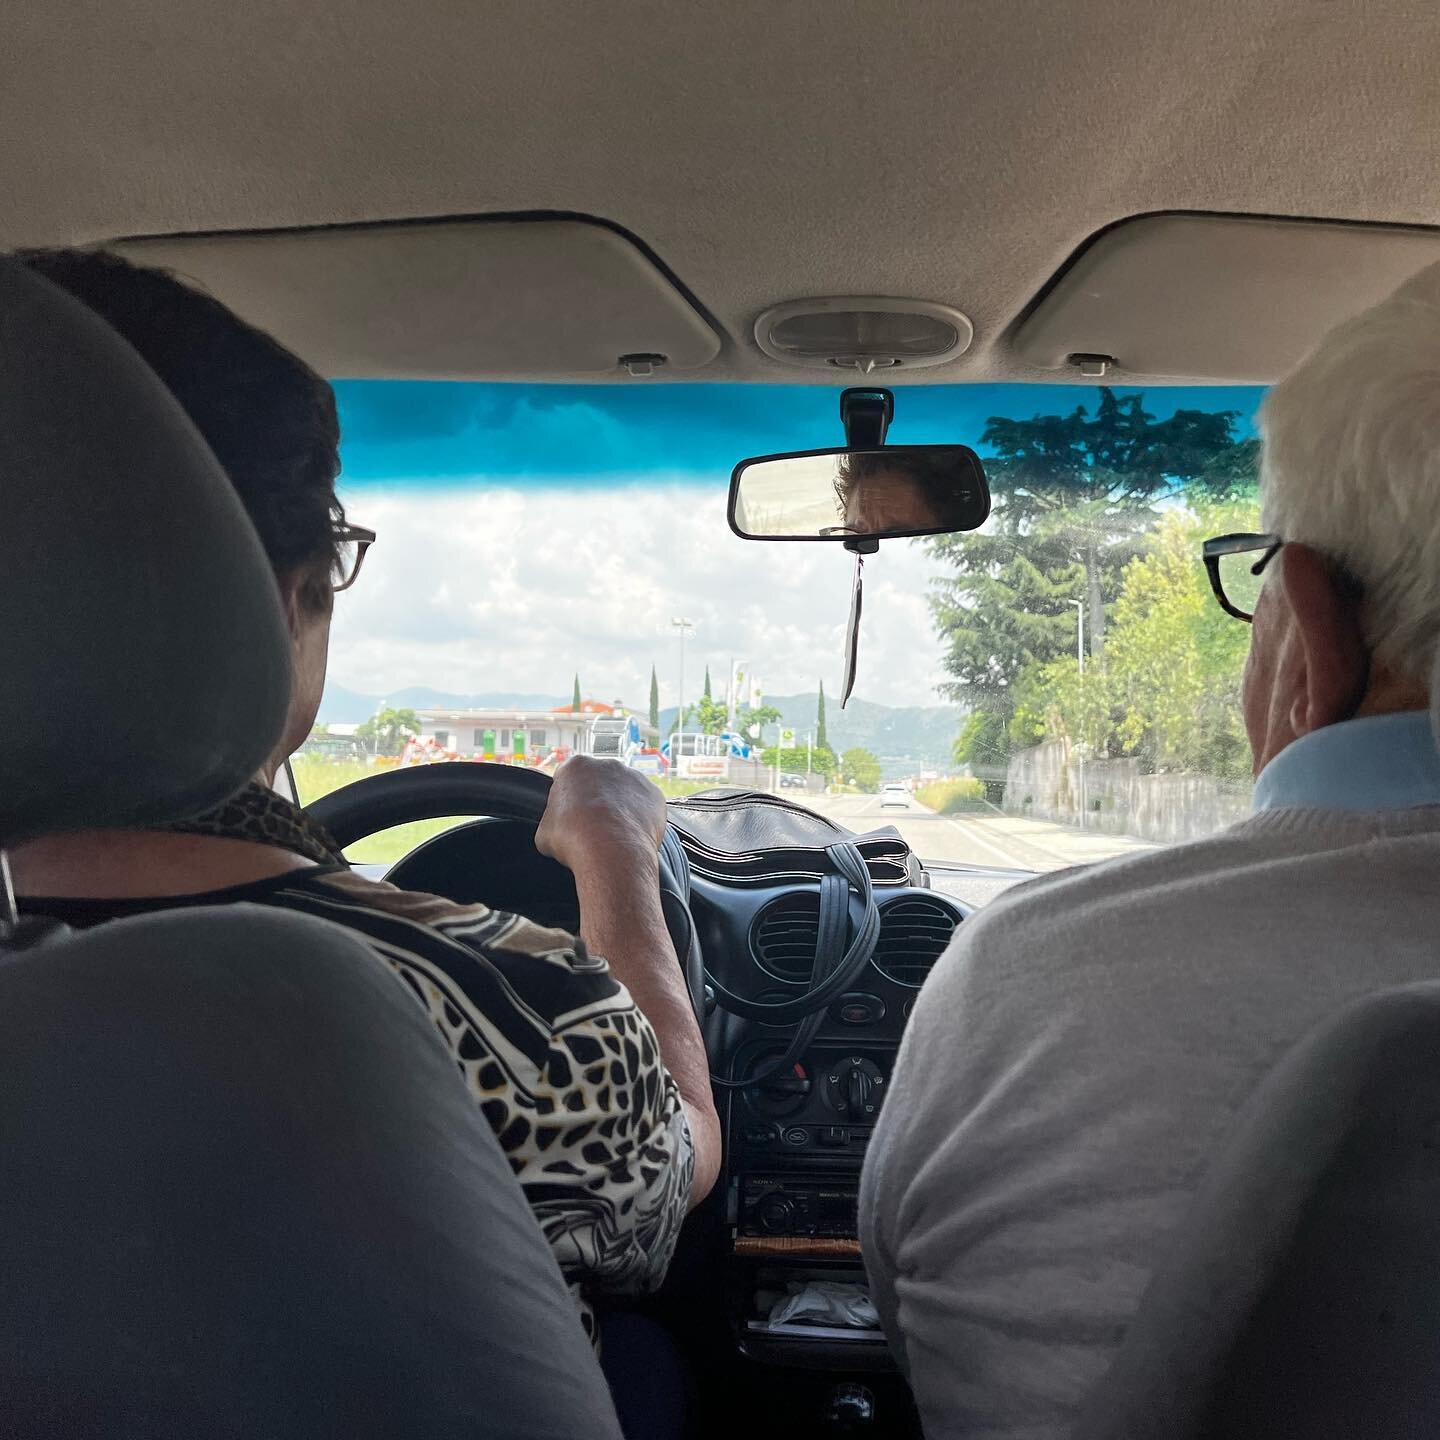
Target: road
(991,838)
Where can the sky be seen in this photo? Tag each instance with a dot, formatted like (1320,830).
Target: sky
(529,532)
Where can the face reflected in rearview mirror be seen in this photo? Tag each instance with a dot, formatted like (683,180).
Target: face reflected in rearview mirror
(886,493)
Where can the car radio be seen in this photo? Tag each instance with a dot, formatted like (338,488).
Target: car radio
(822,1209)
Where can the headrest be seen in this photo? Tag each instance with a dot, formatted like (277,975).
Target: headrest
(144,661)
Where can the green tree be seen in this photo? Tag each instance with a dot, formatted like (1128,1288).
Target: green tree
(984,739)
(822,741)
(755,718)
(1169,691)
(654,699)
(1176,659)
(385,732)
(1074,499)
(710,716)
(860,768)
(792,761)
(707,683)
(1232,476)
(575,701)
(1055,700)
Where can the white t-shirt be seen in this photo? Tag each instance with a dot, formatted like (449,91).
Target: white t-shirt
(1075,1061)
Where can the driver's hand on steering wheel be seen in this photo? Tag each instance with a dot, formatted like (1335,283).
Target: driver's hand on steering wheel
(605,824)
(599,811)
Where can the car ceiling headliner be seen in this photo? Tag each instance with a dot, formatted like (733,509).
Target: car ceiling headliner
(764,149)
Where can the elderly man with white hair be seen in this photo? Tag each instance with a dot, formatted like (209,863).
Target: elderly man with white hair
(1079,1053)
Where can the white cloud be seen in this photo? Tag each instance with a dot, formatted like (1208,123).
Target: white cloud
(508,589)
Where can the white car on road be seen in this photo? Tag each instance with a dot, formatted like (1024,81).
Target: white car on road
(894,794)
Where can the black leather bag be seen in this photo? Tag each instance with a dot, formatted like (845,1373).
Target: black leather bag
(746,837)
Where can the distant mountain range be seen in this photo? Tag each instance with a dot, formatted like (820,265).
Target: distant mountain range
(922,734)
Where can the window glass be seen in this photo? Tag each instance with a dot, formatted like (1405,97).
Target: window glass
(1057,687)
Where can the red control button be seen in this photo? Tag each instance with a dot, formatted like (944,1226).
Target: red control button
(859,1009)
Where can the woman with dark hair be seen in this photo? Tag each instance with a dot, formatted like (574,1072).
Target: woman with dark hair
(610,1164)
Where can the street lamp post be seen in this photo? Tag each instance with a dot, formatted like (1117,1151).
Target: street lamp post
(380,709)
(1080,662)
(684,626)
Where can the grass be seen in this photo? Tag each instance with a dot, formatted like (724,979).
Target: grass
(385,847)
(315,777)
(946,797)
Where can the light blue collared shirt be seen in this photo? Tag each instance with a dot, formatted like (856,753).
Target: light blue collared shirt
(1382,762)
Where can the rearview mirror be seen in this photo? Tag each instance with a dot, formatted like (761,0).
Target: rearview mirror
(880,494)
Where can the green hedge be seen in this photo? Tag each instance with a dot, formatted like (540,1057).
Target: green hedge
(947,796)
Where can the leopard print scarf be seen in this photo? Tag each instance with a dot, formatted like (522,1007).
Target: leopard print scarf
(257,813)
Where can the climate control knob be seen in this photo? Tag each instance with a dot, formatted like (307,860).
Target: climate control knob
(854,1087)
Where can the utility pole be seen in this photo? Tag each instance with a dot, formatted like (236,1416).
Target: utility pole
(1080,662)
(809,750)
(1079,633)
(375,738)
(684,626)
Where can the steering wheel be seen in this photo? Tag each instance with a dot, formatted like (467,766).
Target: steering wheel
(467,787)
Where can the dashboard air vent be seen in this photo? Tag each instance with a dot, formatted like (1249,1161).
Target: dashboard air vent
(914,930)
(784,934)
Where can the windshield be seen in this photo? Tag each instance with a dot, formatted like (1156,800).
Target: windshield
(554,575)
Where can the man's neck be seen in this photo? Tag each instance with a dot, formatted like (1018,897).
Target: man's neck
(1389,694)
(143,864)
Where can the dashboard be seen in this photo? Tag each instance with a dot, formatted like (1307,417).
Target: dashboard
(785,1212)
(795,1141)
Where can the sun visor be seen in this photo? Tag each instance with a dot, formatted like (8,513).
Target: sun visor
(1214,297)
(479,299)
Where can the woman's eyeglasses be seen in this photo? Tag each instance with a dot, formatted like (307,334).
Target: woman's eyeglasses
(1236,564)
(351,543)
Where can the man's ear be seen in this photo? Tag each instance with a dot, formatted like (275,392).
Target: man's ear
(292,602)
(1327,621)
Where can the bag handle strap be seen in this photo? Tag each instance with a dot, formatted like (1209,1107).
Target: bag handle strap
(836,965)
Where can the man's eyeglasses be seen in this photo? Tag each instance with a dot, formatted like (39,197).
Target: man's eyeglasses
(1236,564)
(351,543)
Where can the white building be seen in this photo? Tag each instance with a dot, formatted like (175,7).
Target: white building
(502,734)
(510,735)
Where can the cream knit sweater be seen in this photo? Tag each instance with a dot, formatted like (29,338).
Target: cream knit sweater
(1072,1065)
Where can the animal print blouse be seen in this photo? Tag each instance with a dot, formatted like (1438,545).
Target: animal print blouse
(561,1062)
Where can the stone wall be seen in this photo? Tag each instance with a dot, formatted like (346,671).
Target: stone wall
(1051,782)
